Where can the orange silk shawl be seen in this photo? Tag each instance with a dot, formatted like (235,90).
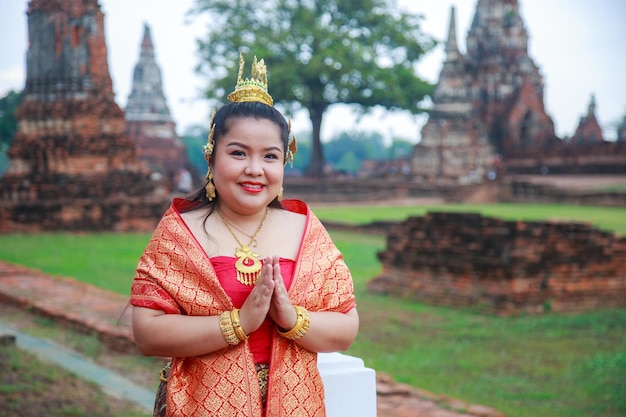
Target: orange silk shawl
(174,274)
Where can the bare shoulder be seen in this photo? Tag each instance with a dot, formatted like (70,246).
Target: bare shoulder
(295,218)
(287,229)
(294,222)
(200,223)
(195,219)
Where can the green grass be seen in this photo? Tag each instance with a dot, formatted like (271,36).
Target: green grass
(554,365)
(524,366)
(30,387)
(90,346)
(605,218)
(106,260)
(616,188)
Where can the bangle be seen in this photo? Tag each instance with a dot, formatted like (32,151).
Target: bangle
(228,330)
(234,318)
(301,327)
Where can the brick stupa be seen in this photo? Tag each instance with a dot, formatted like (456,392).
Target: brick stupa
(150,125)
(72,165)
(488,114)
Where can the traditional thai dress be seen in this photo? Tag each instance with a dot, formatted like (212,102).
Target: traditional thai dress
(175,275)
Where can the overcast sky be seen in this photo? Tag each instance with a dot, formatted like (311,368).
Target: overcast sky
(577,44)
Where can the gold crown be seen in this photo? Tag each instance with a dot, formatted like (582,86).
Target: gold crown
(252,89)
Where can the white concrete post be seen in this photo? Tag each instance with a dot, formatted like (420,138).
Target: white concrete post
(349,387)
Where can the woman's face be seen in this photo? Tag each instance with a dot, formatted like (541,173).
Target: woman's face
(248,165)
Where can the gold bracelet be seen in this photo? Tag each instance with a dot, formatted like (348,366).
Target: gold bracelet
(301,327)
(228,330)
(234,318)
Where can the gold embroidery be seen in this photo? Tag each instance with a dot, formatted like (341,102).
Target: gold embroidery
(174,271)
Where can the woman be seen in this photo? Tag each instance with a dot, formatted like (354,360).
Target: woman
(240,289)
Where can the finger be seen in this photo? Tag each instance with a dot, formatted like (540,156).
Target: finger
(257,304)
(281,310)
(280,290)
(265,284)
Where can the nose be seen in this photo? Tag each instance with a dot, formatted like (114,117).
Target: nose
(254,167)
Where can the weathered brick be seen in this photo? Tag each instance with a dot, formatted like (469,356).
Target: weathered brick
(72,166)
(556,266)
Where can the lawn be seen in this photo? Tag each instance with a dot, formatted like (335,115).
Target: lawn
(606,218)
(33,388)
(553,365)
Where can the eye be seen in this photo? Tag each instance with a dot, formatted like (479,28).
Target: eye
(271,156)
(237,152)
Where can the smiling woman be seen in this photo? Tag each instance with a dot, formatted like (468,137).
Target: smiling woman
(260,315)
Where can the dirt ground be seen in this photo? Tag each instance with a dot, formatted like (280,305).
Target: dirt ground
(576,182)
(44,390)
(71,396)
(47,390)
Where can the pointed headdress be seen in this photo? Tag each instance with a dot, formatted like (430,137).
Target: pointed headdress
(253,89)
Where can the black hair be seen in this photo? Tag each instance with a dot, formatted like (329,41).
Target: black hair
(222,123)
(252,110)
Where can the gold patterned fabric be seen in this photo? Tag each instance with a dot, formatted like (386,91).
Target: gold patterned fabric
(175,275)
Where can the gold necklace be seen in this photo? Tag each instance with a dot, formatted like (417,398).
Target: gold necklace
(247,265)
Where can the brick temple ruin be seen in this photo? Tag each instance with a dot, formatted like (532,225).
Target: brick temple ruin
(488,111)
(504,267)
(150,125)
(72,164)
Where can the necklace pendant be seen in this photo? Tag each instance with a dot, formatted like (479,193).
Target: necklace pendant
(247,279)
(247,265)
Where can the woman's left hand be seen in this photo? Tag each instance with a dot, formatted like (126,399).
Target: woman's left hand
(281,309)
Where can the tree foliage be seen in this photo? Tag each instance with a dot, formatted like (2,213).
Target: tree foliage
(347,151)
(361,145)
(8,125)
(318,53)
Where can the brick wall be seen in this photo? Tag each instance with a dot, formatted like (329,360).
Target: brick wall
(506,267)
(72,165)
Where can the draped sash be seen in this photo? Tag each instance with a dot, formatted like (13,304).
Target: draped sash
(174,274)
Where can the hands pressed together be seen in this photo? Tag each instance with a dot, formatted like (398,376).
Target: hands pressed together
(177,335)
(269,296)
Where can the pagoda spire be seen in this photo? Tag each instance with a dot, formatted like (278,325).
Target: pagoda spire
(452,47)
(146,100)
(591,110)
(147,47)
(149,122)
(451,93)
(589,130)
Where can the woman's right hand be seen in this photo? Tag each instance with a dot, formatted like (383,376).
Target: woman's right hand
(257,305)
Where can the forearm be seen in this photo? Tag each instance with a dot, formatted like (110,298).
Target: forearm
(176,335)
(330,331)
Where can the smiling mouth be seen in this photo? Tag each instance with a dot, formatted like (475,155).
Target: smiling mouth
(252,187)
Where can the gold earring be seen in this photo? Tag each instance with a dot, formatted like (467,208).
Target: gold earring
(210,187)
(280,194)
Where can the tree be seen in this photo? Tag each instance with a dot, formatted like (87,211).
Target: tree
(8,125)
(362,145)
(401,148)
(194,140)
(349,163)
(303,156)
(318,53)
